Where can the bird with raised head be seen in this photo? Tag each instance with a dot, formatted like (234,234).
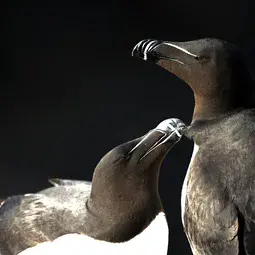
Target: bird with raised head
(218,195)
(120,212)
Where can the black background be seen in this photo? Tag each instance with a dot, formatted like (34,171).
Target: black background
(70,90)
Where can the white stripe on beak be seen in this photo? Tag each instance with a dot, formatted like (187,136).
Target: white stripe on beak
(146,136)
(181,49)
(147,48)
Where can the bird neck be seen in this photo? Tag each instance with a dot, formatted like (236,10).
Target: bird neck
(121,221)
(222,103)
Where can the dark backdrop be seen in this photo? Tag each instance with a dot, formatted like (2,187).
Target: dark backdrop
(70,90)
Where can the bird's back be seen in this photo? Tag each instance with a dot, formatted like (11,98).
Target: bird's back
(30,219)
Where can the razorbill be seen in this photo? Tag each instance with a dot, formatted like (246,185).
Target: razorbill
(218,195)
(120,212)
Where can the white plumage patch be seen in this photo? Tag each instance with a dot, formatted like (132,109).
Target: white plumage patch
(184,186)
(2,203)
(152,241)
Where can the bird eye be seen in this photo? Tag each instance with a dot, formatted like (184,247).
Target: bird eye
(202,58)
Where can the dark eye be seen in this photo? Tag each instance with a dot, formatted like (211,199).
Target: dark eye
(202,58)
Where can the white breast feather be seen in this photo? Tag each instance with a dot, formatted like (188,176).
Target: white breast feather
(152,241)
(184,187)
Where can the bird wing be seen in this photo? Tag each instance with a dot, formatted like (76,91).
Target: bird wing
(213,228)
(248,221)
(10,203)
(29,219)
(65,182)
(245,198)
(10,210)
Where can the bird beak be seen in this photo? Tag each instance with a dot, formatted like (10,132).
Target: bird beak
(156,50)
(168,131)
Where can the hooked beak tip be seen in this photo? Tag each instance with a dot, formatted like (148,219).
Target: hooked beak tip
(144,48)
(172,130)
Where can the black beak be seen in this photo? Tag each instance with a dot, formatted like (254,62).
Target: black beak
(145,49)
(155,50)
(167,134)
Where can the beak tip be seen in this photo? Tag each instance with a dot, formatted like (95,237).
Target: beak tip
(172,125)
(135,52)
(145,48)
